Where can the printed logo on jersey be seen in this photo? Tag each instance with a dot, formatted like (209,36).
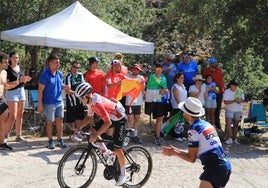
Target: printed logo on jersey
(210,133)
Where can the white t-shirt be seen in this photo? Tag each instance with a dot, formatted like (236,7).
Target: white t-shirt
(229,95)
(182,95)
(194,89)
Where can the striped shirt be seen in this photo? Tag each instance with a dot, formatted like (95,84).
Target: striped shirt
(73,81)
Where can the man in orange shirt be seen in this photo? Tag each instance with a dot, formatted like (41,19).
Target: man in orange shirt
(218,77)
(94,76)
(113,80)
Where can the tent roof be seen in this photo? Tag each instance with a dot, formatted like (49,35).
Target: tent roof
(77,28)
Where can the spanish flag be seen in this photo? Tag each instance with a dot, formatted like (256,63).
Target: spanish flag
(131,87)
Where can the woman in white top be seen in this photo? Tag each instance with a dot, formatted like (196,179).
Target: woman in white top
(233,99)
(198,90)
(178,92)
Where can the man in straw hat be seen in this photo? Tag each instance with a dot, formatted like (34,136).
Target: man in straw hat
(203,143)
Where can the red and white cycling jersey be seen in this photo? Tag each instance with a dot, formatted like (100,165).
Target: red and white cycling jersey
(106,108)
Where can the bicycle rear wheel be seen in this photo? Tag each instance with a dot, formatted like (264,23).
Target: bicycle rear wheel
(77,168)
(139,166)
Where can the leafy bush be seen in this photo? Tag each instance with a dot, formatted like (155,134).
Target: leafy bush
(248,70)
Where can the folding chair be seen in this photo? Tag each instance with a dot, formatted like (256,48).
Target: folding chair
(34,102)
(258,110)
(256,118)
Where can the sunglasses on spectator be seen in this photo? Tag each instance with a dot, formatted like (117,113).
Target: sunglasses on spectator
(76,67)
(185,56)
(199,80)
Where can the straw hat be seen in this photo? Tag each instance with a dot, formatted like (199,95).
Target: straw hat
(193,107)
(198,77)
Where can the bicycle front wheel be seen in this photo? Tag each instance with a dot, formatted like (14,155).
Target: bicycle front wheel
(139,165)
(77,168)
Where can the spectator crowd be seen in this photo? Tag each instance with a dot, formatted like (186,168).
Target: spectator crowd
(170,83)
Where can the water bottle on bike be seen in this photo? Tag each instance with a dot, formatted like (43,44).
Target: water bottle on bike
(109,155)
(111,158)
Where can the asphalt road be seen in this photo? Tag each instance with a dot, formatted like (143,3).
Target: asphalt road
(32,165)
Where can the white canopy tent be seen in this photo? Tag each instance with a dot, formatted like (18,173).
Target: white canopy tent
(77,28)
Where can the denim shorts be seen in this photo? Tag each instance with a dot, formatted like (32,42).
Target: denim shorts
(53,111)
(16,95)
(210,103)
(234,115)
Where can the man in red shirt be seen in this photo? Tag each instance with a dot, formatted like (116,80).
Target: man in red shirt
(94,76)
(124,69)
(218,77)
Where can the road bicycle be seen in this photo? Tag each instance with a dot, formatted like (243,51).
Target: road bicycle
(78,166)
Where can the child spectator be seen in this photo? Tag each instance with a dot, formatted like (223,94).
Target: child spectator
(210,99)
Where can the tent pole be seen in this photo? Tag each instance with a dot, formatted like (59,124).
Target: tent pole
(45,57)
(152,60)
(1,45)
(152,65)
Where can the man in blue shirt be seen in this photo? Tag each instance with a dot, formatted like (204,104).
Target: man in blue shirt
(189,68)
(50,100)
(169,69)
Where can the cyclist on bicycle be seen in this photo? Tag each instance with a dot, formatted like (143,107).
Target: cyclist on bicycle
(112,114)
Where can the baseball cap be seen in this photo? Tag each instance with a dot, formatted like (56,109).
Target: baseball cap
(115,62)
(137,66)
(212,60)
(93,59)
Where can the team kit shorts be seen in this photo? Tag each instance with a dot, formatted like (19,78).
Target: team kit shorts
(118,133)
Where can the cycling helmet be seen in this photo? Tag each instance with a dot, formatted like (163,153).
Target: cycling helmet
(83,89)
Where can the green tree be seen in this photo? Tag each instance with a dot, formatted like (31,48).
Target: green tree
(247,68)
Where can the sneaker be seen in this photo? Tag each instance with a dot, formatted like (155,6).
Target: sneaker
(78,137)
(20,139)
(229,141)
(184,138)
(158,141)
(61,143)
(122,179)
(51,144)
(5,146)
(236,141)
(136,139)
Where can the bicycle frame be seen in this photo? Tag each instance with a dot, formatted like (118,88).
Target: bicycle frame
(112,169)
(78,160)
